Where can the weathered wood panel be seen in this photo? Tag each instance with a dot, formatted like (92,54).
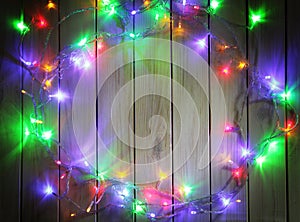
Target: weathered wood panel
(228,49)
(272,192)
(79,151)
(266,53)
(292,164)
(11,134)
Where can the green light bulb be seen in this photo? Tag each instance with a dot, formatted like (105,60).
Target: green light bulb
(187,190)
(132,35)
(139,207)
(112,11)
(256,17)
(260,160)
(82,42)
(273,146)
(27,132)
(21,26)
(46,135)
(286,95)
(214,4)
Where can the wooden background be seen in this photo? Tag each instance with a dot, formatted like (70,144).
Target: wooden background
(271,194)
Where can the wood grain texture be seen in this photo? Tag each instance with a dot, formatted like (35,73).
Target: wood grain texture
(11,117)
(272,192)
(267,52)
(115,151)
(152,118)
(190,144)
(38,171)
(80,151)
(233,88)
(292,73)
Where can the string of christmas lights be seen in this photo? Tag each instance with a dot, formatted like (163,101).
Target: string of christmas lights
(151,202)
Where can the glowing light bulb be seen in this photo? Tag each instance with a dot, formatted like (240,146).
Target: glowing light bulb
(27,132)
(202,43)
(112,11)
(214,4)
(59,95)
(164,203)
(46,135)
(124,192)
(267,77)
(51,5)
(229,128)
(34,120)
(62,176)
(156,16)
(39,21)
(72,214)
(48,190)
(245,152)
(187,190)
(286,95)
(260,160)
(225,201)
(242,65)
(22,27)
(184,2)
(237,173)
(225,70)
(48,83)
(273,146)
(132,35)
(289,124)
(256,17)
(152,214)
(138,207)
(82,42)
(193,212)
(133,12)
(146,2)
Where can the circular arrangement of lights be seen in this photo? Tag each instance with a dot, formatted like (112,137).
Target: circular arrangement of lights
(151,202)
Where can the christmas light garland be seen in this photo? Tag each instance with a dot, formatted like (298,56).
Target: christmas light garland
(152,202)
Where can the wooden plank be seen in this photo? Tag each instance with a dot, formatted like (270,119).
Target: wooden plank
(191,109)
(152,121)
(115,145)
(266,52)
(292,74)
(38,170)
(80,151)
(11,118)
(227,50)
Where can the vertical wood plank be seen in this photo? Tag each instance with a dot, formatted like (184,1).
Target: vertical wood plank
(115,116)
(266,52)
(292,74)
(80,150)
(191,147)
(11,117)
(38,170)
(227,31)
(153,155)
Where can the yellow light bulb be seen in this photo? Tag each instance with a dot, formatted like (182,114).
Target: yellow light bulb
(242,65)
(51,5)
